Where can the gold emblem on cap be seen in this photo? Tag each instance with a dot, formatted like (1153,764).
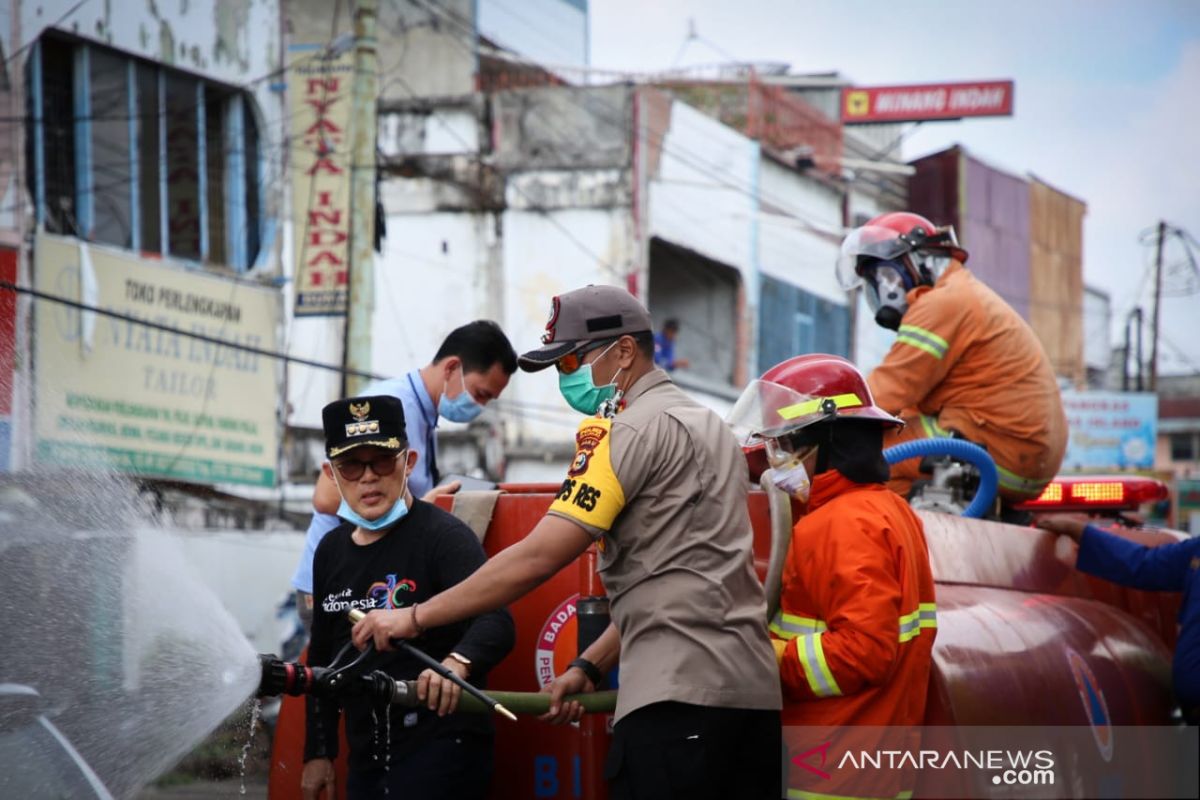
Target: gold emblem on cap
(360,410)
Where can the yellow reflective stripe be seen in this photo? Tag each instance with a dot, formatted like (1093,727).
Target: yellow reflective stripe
(933,338)
(911,624)
(920,346)
(814,405)
(924,340)
(1014,482)
(789,626)
(800,794)
(932,429)
(816,670)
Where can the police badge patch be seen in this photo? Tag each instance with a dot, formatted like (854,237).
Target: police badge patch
(586,441)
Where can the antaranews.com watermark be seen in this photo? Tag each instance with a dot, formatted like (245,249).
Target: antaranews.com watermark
(1010,762)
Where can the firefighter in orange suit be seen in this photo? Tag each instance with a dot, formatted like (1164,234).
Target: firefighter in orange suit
(963,361)
(857,619)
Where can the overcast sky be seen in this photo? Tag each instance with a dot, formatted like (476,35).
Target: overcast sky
(1107,102)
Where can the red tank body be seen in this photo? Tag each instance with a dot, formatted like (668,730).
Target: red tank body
(1017,627)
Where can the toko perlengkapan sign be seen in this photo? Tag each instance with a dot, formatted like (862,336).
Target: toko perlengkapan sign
(1110,430)
(112,393)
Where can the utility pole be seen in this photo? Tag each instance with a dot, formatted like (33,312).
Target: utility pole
(1162,234)
(360,303)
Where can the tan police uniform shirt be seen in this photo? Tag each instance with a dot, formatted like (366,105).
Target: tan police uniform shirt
(662,487)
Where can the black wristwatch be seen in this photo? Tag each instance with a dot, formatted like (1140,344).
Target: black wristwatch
(592,672)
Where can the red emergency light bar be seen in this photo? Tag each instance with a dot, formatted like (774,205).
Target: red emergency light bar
(1096,493)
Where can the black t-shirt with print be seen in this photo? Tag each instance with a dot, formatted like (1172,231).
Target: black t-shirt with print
(426,552)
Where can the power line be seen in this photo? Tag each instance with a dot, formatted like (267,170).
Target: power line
(619,123)
(104,312)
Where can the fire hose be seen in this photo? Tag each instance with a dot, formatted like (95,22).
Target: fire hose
(292,678)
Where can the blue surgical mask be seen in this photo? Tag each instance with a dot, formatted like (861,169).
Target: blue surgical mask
(580,390)
(396,513)
(462,407)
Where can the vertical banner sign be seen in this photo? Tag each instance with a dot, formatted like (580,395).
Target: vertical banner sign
(1110,430)
(115,394)
(8,353)
(320,90)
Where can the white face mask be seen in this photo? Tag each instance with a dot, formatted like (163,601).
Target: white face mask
(788,473)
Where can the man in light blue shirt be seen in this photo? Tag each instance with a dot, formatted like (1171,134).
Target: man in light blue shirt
(470,369)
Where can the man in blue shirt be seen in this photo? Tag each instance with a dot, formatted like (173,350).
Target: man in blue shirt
(664,347)
(1166,568)
(470,369)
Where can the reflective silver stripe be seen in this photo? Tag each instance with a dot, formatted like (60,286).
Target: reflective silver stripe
(922,339)
(911,624)
(1014,482)
(812,657)
(928,615)
(789,626)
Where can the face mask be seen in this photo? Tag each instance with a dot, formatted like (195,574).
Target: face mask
(396,513)
(581,392)
(791,477)
(887,294)
(399,510)
(462,407)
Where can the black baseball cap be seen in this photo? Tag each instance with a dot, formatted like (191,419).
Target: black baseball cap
(593,313)
(356,421)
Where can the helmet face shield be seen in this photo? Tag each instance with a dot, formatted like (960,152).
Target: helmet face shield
(767,410)
(871,242)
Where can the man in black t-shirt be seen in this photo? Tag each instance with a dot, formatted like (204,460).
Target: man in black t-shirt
(393,553)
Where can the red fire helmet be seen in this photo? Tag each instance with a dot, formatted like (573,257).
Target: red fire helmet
(799,392)
(896,236)
(831,377)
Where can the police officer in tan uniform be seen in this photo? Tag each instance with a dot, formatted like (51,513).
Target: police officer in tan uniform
(659,483)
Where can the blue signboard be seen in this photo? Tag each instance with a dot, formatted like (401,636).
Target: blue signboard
(1110,430)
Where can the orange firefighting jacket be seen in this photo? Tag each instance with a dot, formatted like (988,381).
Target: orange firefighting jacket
(858,614)
(857,609)
(965,361)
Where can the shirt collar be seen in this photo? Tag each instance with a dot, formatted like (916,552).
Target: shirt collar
(654,377)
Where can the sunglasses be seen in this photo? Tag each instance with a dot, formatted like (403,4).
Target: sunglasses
(352,469)
(573,361)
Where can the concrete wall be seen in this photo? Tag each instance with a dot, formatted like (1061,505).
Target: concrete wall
(546,254)
(701,194)
(563,127)
(799,230)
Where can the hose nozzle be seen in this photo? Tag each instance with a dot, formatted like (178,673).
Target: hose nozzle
(287,677)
